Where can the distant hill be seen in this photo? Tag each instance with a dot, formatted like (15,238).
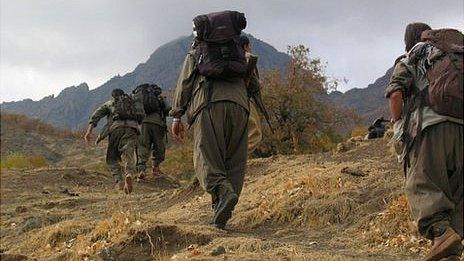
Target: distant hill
(72,107)
(369,102)
(31,137)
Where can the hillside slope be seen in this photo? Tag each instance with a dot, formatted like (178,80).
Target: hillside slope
(72,107)
(333,206)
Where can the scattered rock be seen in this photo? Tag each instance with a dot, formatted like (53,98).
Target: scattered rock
(34,222)
(108,254)
(356,139)
(21,209)
(343,147)
(353,172)
(69,193)
(31,223)
(218,251)
(192,247)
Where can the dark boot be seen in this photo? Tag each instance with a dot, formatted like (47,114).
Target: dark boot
(223,209)
(447,244)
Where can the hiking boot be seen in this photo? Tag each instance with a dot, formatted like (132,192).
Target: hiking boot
(445,245)
(156,172)
(223,211)
(128,184)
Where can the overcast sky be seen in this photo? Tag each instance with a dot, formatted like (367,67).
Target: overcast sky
(46,45)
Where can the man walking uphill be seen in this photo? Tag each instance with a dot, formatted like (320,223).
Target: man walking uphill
(123,118)
(151,140)
(426,103)
(211,91)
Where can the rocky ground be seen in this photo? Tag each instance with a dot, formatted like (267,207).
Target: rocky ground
(342,205)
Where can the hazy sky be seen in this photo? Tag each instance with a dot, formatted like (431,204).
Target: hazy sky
(46,45)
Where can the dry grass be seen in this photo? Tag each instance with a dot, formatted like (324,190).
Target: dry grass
(179,160)
(107,232)
(33,125)
(49,240)
(393,228)
(359,131)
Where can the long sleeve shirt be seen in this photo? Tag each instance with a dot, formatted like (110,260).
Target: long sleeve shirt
(107,110)
(191,94)
(410,78)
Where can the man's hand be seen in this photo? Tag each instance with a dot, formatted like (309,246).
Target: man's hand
(88,134)
(396,106)
(178,130)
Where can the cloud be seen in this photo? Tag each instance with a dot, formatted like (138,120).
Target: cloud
(50,44)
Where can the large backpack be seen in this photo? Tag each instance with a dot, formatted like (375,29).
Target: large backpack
(150,97)
(445,76)
(218,51)
(124,108)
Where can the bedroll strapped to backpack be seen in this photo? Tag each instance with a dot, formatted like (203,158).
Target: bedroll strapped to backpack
(445,76)
(218,52)
(124,108)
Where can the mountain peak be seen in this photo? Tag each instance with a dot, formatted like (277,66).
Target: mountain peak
(72,107)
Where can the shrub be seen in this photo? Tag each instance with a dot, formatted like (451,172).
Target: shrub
(303,119)
(20,161)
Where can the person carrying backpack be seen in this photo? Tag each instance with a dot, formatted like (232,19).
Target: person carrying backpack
(426,104)
(123,119)
(153,133)
(211,91)
(377,128)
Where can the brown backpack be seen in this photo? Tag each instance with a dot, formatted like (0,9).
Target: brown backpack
(445,91)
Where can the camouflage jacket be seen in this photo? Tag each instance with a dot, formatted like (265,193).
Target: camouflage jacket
(191,94)
(409,78)
(107,110)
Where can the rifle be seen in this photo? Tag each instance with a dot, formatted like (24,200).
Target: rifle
(256,94)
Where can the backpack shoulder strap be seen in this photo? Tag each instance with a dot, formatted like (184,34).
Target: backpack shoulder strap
(401,57)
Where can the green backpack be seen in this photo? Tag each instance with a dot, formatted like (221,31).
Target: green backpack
(124,108)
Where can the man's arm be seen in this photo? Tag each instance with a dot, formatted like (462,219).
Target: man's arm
(400,84)
(99,113)
(396,105)
(182,96)
(184,87)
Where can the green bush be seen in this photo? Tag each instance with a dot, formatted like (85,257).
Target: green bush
(20,161)
(303,120)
